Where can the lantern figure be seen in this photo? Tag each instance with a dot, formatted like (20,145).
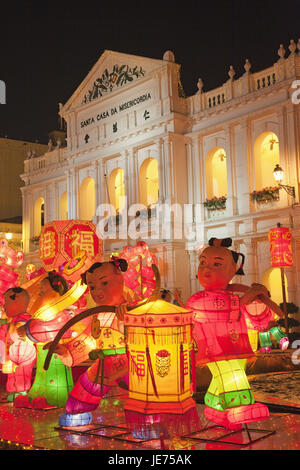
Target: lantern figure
(280,247)
(72,244)
(159,346)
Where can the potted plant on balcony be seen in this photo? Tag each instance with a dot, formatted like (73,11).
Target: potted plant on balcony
(35,240)
(265,195)
(216,203)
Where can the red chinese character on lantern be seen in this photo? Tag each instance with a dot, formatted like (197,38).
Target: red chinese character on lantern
(48,246)
(82,240)
(70,243)
(137,363)
(186,365)
(280,247)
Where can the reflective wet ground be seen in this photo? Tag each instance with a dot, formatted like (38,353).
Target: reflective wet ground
(33,429)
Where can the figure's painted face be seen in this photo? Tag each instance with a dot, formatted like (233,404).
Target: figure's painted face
(15,302)
(216,268)
(106,285)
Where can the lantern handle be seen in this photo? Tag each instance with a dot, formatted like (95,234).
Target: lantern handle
(92,311)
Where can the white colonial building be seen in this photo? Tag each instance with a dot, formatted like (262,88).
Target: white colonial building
(132,132)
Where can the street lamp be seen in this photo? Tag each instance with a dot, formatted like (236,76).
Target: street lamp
(278,175)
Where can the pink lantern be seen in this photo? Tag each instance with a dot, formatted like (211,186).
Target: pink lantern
(139,276)
(22,353)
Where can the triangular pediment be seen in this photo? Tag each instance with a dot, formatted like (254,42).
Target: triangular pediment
(111,73)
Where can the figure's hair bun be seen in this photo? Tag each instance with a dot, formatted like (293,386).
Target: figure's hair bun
(226,242)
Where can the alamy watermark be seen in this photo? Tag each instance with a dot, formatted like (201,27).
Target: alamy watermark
(2,92)
(162,221)
(296,93)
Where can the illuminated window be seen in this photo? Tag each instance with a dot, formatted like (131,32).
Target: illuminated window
(39,215)
(216,173)
(266,157)
(63,206)
(149,182)
(116,189)
(272,280)
(87,199)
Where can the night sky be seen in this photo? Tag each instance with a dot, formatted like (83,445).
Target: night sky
(47,48)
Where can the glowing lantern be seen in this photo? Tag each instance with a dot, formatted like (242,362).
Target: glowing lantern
(159,344)
(73,244)
(22,353)
(10,259)
(139,275)
(281,257)
(280,247)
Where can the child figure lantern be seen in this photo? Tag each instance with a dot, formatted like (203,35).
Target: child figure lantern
(222,339)
(159,347)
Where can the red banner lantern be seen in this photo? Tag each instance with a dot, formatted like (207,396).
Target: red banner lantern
(280,247)
(72,243)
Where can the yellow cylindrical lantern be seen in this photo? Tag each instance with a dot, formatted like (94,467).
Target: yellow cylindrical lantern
(160,350)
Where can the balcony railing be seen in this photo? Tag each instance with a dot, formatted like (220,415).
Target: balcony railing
(55,157)
(283,69)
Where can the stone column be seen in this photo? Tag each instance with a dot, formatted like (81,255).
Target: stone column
(72,194)
(250,266)
(242,167)
(231,175)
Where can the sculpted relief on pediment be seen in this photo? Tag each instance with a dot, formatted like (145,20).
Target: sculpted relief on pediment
(111,79)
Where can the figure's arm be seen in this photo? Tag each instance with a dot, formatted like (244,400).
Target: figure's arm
(39,331)
(260,292)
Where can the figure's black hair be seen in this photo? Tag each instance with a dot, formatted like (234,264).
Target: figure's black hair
(57,282)
(118,263)
(16,290)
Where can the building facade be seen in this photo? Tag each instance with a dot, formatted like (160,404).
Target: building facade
(12,155)
(143,161)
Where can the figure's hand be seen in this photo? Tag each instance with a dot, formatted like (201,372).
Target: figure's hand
(60,349)
(256,291)
(120,311)
(261,287)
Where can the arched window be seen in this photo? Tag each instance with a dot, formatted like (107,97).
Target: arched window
(39,219)
(87,199)
(266,157)
(149,182)
(63,206)
(272,280)
(116,189)
(216,173)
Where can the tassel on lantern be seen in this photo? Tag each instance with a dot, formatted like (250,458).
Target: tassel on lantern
(181,369)
(151,370)
(193,368)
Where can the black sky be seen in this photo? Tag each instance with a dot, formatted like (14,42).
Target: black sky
(48,47)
